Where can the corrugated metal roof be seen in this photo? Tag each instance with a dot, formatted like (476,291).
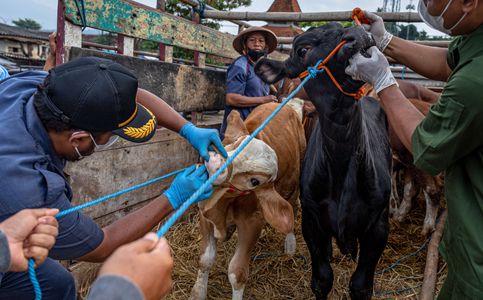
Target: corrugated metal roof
(14,31)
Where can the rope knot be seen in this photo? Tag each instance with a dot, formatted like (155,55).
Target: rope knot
(200,9)
(360,93)
(312,72)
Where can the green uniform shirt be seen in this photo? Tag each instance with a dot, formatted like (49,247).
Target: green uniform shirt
(450,139)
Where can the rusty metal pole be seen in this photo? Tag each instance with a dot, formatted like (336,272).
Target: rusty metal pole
(60,38)
(161,5)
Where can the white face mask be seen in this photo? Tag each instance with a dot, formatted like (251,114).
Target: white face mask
(437,22)
(105,146)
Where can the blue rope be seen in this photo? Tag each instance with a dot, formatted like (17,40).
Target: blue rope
(200,9)
(31,270)
(397,262)
(82,13)
(402,72)
(34,280)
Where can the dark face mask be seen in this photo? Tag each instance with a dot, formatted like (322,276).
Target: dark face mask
(255,55)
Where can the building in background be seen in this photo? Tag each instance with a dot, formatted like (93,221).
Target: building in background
(284,29)
(23,48)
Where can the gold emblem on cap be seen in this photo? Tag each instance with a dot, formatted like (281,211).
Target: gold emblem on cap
(143,131)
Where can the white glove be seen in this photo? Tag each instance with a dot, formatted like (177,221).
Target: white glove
(374,70)
(377,30)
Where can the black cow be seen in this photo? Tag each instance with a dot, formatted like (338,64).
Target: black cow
(346,178)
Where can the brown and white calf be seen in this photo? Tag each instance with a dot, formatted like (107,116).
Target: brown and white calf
(262,186)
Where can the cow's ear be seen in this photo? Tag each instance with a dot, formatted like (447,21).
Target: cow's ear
(270,70)
(235,128)
(276,210)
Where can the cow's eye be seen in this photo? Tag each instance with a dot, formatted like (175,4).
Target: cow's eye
(254,181)
(302,51)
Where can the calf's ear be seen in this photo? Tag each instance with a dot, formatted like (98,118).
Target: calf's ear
(235,128)
(270,70)
(276,210)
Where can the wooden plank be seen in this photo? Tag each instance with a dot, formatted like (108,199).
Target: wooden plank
(185,88)
(309,16)
(136,20)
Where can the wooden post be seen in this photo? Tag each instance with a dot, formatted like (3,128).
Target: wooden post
(68,35)
(199,61)
(165,51)
(198,57)
(125,45)
(431,268)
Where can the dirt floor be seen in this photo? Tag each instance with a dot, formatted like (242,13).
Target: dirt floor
(274,275)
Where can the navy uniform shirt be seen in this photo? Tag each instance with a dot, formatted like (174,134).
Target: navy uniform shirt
(241,79)
(31,173)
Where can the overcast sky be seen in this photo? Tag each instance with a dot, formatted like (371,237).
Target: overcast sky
(45,11)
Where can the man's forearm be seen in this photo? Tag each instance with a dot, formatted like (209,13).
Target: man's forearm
(402,115)
(130,228)
(165,115)
(427,61)
(243,101)
(49,62)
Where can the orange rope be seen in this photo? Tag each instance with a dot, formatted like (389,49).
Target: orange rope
(358,17)
(357,95)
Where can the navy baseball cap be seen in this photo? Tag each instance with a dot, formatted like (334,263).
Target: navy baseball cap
(99,95)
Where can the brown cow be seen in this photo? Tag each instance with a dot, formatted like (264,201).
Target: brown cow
(415,180)
(262,186)
(284,88)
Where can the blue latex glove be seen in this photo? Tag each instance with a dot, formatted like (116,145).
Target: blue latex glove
(201,139)
(185,184)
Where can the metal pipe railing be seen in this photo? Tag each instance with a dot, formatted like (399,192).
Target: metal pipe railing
(308,16)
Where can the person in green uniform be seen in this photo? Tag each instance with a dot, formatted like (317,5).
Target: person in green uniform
(450,137)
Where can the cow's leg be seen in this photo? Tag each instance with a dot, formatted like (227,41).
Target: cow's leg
(431,198)
(290,241)
(372,245)
(248,233)
(410,190)
(394,199)
(207,258)
(319,244)
(290,244)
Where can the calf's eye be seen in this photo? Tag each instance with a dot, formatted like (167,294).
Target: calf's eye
(254,181)
(302,51)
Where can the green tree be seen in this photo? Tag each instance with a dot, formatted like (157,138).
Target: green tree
(27,24)
(408,32)
(180,9)
(309,24)
(423,35)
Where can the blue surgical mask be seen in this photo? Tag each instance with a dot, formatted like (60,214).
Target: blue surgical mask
(437,22)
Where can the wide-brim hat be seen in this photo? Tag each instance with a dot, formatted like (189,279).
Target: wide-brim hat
(270,38)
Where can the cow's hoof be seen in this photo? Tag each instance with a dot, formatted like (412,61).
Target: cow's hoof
(290,244)
(365,294)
